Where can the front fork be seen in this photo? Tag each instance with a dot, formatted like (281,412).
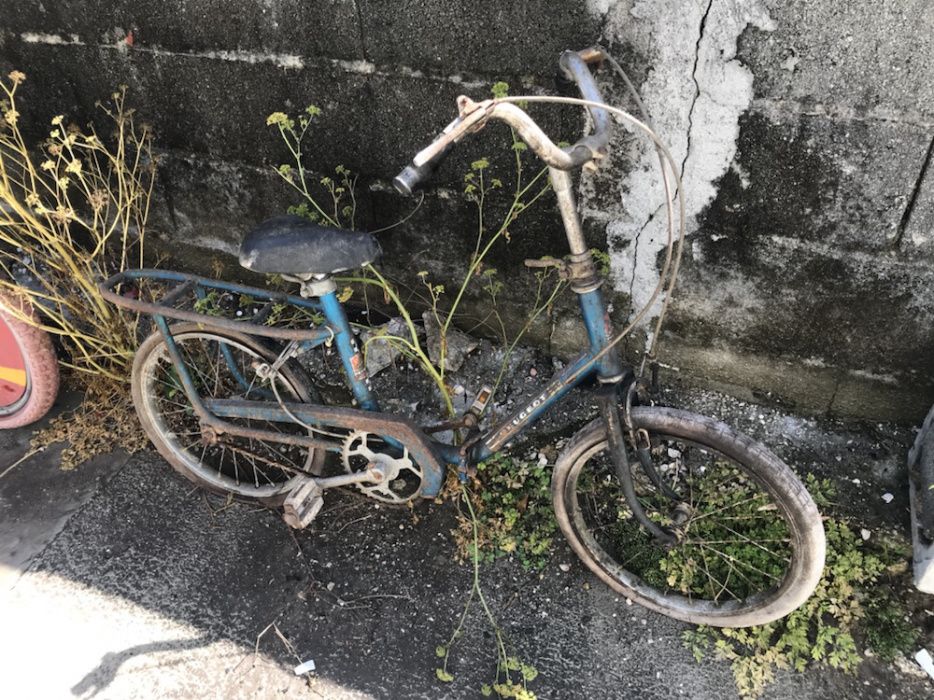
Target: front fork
(586,284)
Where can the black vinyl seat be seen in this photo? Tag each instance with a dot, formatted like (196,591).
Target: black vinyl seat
(292,245)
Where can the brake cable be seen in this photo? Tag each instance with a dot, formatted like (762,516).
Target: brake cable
(673,258)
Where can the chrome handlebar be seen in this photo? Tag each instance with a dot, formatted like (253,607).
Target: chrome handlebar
(474,116)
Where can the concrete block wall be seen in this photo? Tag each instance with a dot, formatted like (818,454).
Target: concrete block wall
(804,130)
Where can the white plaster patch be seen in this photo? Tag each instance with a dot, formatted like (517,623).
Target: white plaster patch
(695,92)
(599,8)
(52,39)
(283,60)
(872,376)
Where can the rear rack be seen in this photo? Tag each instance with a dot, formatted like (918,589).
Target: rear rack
(181,301)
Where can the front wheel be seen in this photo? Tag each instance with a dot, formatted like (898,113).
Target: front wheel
(749,543)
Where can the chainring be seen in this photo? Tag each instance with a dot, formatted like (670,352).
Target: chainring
(404,478)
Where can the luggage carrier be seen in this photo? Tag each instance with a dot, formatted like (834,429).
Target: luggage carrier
(129,288)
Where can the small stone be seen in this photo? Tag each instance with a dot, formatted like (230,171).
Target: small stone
(458,344)
(865,534)
(330,586)
(857,482)
(378,351)
(533,372)
(564,567)
(887,497)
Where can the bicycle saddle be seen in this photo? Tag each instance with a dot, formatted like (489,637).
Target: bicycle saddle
(292,245)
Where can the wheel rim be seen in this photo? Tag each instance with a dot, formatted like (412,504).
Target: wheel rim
(246,467)
(720,566)
(14,371)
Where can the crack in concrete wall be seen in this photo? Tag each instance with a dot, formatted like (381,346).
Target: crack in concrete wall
(361,29)
(915,192)
(696,92)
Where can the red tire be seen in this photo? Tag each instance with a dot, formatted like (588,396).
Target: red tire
(28,365)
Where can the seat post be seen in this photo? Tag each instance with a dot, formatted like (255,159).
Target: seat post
(351,357)
(314,285)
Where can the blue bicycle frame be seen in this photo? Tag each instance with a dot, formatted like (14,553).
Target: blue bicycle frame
(430,454)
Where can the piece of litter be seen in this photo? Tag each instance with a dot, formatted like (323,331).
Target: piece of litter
(887,497)
(306,667)
(924,660)
(864,533)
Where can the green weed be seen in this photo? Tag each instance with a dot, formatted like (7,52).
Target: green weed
(845,606)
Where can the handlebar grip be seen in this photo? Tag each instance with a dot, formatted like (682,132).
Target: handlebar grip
(414,175)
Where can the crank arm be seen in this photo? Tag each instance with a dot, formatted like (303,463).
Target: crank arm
(420,447)
(375,475)
(304,501)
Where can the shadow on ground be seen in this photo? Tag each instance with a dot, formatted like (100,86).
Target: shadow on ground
(119,580)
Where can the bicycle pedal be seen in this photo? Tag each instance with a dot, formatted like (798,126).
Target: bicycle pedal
(302,504)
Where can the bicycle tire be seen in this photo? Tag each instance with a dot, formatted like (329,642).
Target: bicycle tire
(35,379)
(153,416)
(756,467)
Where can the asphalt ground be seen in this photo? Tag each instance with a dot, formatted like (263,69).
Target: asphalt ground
(118,580)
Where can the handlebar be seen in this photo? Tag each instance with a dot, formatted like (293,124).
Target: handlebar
(406,181)
(474,116)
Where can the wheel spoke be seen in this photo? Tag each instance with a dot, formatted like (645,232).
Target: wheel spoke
(213,362)
(735,541)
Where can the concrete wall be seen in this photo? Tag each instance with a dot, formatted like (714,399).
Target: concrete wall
(804,130)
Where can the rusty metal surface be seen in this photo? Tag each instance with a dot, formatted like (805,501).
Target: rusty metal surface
(208,322)
(399,428)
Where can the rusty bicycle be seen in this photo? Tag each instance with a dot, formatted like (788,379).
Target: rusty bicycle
(676,511)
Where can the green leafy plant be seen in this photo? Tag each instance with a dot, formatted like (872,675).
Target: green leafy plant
(340,212)
(889,632)
(512,674)
(515,510)
(480,188)
(513,513)
(824,629)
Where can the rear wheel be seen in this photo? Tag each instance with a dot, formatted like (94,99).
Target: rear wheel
(28,365)
(221,364)
(749,540)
